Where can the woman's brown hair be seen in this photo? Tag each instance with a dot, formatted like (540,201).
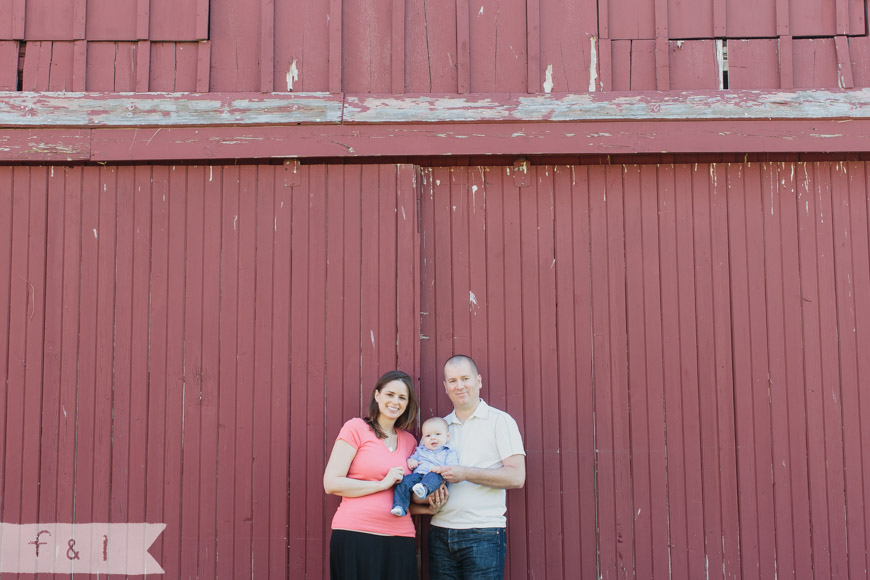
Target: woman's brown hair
(407,419)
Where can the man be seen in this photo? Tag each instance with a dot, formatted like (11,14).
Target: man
(467,538)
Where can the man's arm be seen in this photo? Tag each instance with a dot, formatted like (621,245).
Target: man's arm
(512,474)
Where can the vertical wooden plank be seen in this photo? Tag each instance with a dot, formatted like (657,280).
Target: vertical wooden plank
(639,402)
(19,309)
(141,198)
(105,325)
(463,44)
(407,268)
(143,19)
(280,379)
(157,412)
(547,370)
(226,523)
(608,546)
(663,64)
(18,7)
(743,384)
(625,511)
(584,354)
(352,333)
(203,66)
(267,45)
(79,66)
(568,416)
(37,66)
(492,204)
(459,260)
(69,343)
(533,30)
(51,371)
(79,18)
(397,48)
(844,63)
(860,225)
(125,67)
(654,372)
(186,66)
(842,17)
(262,395)
(720,14)
(791,175)
(822,557)
(299,304)
(519,547)
(176,380)
(783,18)
(86,460)
(605,70)
(385,326)
(695,214)
(335,47)
(444,347)
(772,209)
(195,373)
(753,64)
(831,374)
(316,339)
(6,237)
(565,22)
(334,385)
(725,449)
(430,379)
(369,276)
(209,390)
(247,269)
(201,31)
(786,63)
(366,47)
(849,385)
(162,67)
(478,308)
(33,337)
(101,67)
(143,66)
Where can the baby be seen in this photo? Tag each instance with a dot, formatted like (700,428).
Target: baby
(432,451)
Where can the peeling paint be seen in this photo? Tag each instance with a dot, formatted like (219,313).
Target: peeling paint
(548,82)
(472,300)
(593,63)
(479,14)
(95,233)
(292,75)
(372,333)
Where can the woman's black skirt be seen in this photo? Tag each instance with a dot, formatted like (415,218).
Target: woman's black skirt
(361,556)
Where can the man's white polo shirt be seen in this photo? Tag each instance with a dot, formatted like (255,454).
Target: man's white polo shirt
(486,438)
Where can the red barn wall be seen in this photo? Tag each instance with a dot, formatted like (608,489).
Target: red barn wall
(683,347)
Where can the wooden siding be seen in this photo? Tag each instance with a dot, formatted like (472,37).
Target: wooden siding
(411,46)
(154,320)
(683,347)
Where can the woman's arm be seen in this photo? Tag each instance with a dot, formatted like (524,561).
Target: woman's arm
(336,481)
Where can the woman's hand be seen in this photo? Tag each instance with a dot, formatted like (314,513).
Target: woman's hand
(438,498)
(393,476)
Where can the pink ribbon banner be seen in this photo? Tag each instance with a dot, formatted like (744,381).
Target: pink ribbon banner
(79,548)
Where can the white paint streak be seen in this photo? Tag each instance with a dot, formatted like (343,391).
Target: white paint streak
(64,411)
(548,82)
(479,14)
(210,174)
(292,75)
(372,332)
(404,217)
(472,300)
(95,233)
(593,64)
(236,223)
(52,170)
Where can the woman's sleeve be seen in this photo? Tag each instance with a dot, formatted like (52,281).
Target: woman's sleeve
(350,432)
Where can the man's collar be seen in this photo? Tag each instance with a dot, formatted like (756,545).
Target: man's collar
(481,412)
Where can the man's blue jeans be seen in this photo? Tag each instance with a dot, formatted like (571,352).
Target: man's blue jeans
(477,553)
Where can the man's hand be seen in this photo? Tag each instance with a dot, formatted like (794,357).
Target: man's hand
(452,473)
(412,464)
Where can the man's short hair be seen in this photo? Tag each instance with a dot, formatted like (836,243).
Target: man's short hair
(461,358)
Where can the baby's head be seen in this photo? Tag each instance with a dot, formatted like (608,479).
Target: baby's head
(435,433)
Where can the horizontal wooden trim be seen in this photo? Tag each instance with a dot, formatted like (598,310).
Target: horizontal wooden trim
(166,127)
(38,109)
(427,140)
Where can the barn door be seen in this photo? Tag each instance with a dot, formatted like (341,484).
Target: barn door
(181,345)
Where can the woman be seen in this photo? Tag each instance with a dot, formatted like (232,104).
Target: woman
(369,457)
